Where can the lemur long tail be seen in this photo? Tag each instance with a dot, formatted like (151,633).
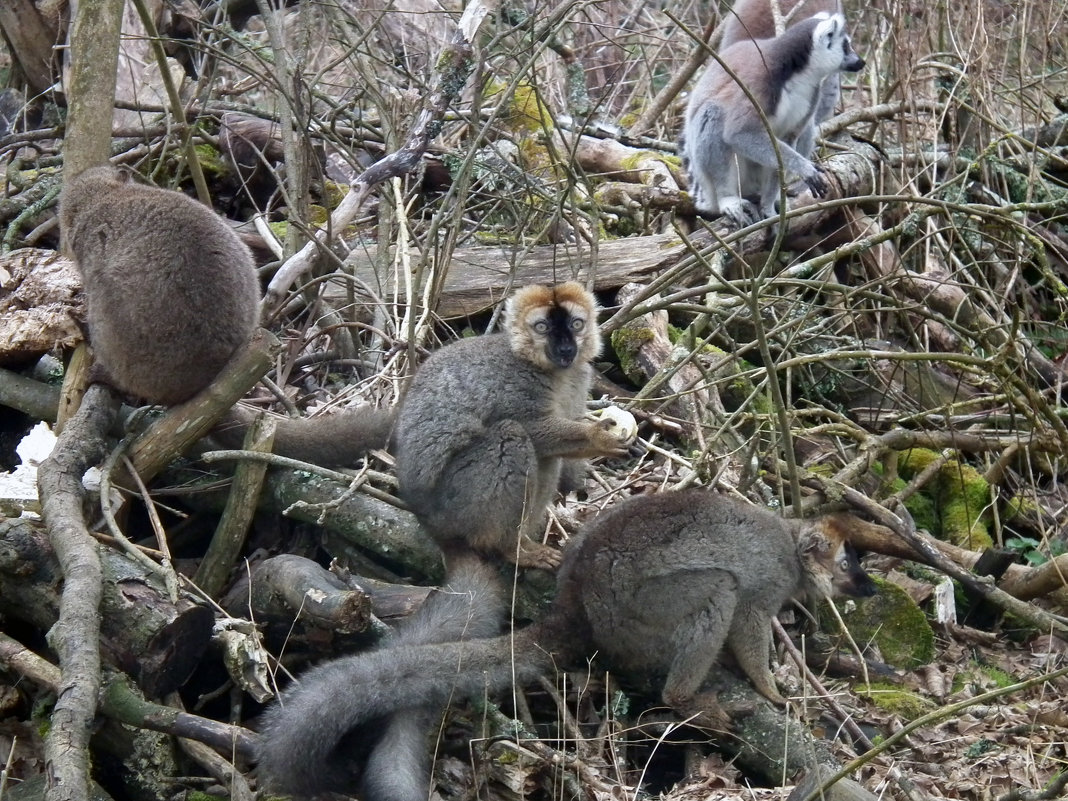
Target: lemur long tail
(329,439)
(355,699)
(471,605)
(301,734)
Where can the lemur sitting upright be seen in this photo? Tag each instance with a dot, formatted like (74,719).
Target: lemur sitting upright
(727,145)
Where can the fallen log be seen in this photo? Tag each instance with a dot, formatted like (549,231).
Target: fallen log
(142,633)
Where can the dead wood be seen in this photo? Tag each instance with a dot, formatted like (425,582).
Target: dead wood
(31,37)
(609,158)
(170,436)
(1020,581)
(214,570)
(75,636)
(41,305)
(157,642)
(479,277)
(454,64)
(28,396)
(652,360)
(124,703)
(352,522)
(286,588)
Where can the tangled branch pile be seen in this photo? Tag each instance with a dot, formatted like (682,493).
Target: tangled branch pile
(904,337)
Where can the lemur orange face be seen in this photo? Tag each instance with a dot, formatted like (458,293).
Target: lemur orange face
(554,326)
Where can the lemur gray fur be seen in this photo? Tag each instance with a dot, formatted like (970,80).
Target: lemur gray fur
(480,438)
(726,145)
(754,19)
(655,587)
(483,430)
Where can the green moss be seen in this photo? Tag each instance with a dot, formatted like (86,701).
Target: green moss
(634,160)
(626,342)
(211,160)
(961,497)
(964,511)
(893,621)
(920,504)
(893,699)
(1000,677)
(485,237)
(896,700)
(526,112)
(675,162)
(334,193)
(915,460)
(317,215)
(980,748)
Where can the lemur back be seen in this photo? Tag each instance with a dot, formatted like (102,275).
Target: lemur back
(655,587)
(728,148)
(171,290)
(753,19)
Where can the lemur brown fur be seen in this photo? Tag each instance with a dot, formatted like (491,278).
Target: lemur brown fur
(655,588)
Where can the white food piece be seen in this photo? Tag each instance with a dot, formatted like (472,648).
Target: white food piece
(625,427)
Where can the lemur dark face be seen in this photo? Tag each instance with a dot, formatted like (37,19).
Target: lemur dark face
(554,327)
(559,330)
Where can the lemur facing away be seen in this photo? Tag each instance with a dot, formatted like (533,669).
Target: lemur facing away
(655,587)
(484,428)
(727,147)
(171,291)
(754,19)
(171,294)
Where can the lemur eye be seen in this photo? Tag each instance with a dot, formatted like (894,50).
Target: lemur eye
(542,326)
(577,324)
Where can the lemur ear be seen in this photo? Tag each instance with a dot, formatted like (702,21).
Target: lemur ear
(830,27)
(813,540)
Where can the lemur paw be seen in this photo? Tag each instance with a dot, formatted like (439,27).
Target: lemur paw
(605,438)
(619,422)
(817,182)
(739,212)
(539,555)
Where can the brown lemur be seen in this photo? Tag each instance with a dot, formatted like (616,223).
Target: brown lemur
(654,587)
(487,422)
(481,437)
(171,294)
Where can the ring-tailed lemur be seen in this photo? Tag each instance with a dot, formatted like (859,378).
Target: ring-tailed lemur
(726,145)
(755,19)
